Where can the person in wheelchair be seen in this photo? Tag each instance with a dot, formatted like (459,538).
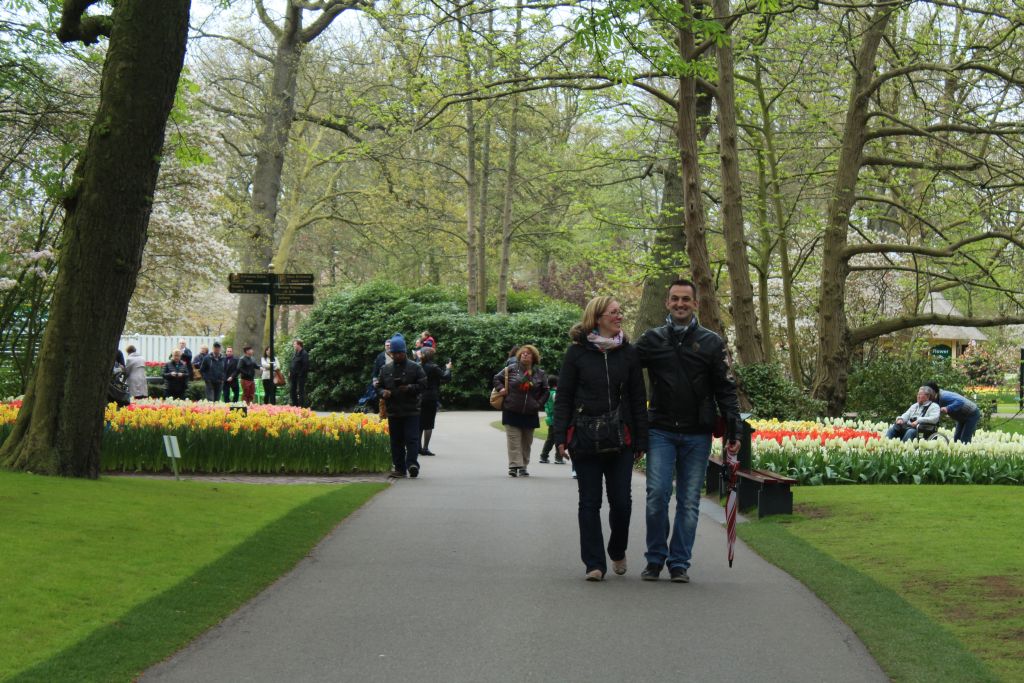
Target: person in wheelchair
(922,417)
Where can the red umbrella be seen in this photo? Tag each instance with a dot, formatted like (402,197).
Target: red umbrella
(731,503)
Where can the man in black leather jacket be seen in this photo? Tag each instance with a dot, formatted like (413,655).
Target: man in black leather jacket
(690,386)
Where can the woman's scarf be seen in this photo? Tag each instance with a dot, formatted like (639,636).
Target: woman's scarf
(606,344)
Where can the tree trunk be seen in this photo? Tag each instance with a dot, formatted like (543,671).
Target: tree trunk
(510,182)
(472,303)
(694,218)
(266,180)
(744,314)
(668,253)
(60,426)
(764,260)
(831,368)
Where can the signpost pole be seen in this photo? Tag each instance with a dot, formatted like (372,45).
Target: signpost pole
(273,366)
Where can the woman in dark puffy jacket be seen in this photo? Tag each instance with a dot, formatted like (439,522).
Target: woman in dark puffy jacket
(601,422)
(527,390)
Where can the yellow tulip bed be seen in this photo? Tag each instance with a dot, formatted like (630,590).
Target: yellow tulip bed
(213,438)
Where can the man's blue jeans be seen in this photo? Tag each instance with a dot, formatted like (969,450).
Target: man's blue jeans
(965,427)
(683,457)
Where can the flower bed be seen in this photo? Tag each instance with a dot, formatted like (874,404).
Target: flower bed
(846,452)
(214,438)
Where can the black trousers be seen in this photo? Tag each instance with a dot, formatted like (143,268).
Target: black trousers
(405,441)
(269,391)
(593,473)
(231,391)
(297,385)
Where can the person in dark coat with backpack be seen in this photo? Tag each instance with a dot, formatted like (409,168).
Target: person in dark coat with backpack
(401,386)
(601,423)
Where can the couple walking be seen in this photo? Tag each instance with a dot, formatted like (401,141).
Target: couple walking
(602,422)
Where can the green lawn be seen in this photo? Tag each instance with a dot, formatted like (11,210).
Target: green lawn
(102,578)
(930,577)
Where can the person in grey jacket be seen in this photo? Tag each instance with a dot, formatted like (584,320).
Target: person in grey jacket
(135,369)
(923,413)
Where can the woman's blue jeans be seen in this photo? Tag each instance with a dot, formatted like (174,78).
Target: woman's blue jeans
(683,458)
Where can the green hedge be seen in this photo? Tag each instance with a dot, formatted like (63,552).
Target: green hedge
(883,388)
(346,331)
(773,394)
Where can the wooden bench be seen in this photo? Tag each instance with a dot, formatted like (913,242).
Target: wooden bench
(769,491)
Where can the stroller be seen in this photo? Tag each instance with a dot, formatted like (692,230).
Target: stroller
(117,392)
(369,401)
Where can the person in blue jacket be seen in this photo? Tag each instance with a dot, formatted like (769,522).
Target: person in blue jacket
(964,412)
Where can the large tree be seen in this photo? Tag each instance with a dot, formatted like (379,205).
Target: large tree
(60,425)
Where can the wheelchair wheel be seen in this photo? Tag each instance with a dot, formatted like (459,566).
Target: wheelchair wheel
(938,436)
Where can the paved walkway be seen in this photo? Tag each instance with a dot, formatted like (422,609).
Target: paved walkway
(467,575)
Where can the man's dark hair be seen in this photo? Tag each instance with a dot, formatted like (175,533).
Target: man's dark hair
(216,345)
(246,348)
(553,382)
(683,282)
(299,342)
(933,386)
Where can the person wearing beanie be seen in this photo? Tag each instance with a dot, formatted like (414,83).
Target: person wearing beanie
(401,385)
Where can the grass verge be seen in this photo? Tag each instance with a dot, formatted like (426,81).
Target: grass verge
(107,577)
(929,577)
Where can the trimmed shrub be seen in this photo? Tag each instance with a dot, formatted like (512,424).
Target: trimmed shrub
(346,332)
(881,389)
(774,395)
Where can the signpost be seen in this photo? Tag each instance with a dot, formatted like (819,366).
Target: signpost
(285,289)
(171,449)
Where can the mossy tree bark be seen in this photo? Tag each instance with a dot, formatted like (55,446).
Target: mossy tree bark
(60,426)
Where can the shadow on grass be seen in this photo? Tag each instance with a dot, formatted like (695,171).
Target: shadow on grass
(906,643)
(167,622)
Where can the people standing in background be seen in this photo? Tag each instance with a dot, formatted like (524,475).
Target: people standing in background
(383,358)
(230,376)
(297,372)
(428,402)
(135,369)
(176,376)
(197,361)
(212,370)
(247,374)
(186,355)
(267,377)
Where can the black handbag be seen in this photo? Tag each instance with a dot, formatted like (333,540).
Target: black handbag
(600,434)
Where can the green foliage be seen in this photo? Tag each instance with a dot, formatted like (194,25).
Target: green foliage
(881,389)
(346,332)
(983,367)
(775,395)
